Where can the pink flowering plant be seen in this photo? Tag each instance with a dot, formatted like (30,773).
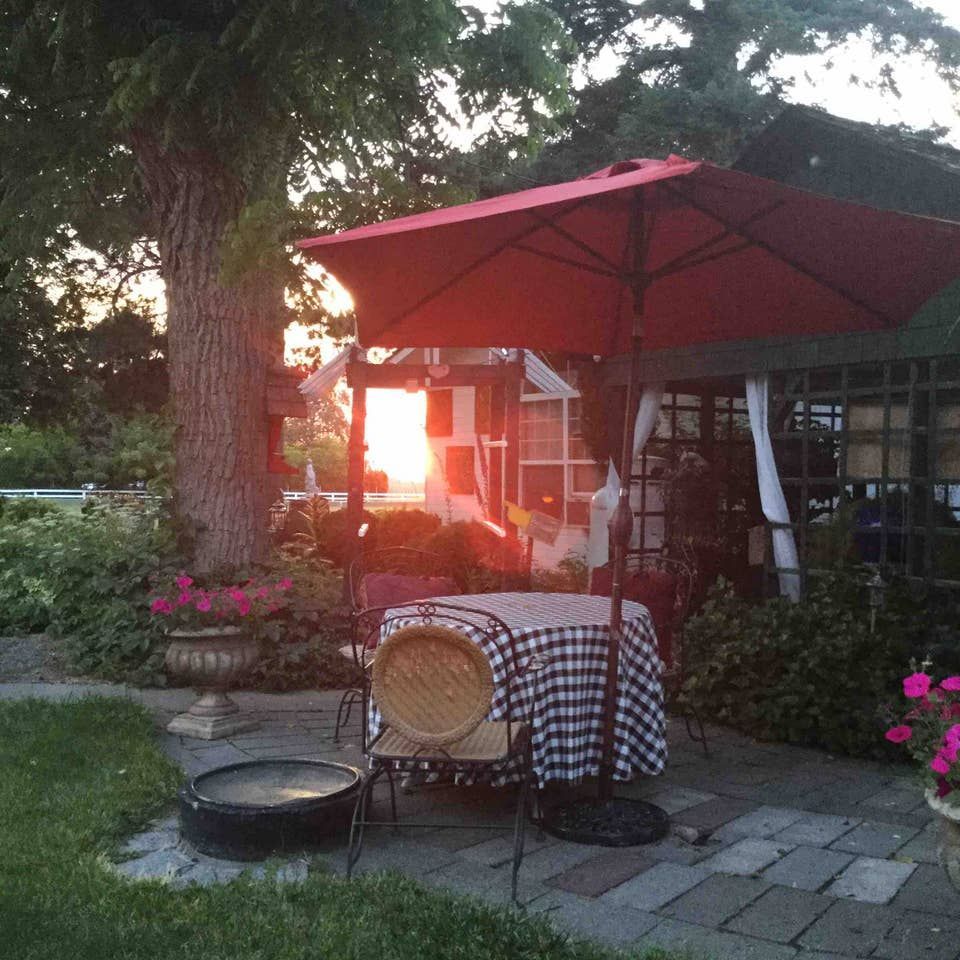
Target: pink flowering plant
(186,605)
(930,729)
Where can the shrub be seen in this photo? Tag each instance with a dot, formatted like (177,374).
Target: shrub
(570,575)
(300,648)
(37,456)
(84,578)
(17,509)
(809,673)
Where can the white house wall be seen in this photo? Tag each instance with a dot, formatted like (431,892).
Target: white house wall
(452,507)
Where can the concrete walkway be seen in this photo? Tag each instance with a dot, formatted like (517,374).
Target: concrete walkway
(776,852)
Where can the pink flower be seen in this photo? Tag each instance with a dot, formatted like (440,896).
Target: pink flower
(243,603)
(285,584)
(940,764)
(184,598)
(161,605)
(951,683)
(952,736)
(899,734)
(263,593)
(949,752)
(183,582)
(916,685)
(203,603)
(235,592)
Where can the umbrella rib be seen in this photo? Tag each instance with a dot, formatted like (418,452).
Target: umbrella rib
(681,262)
(569,261)
(763,245)
(550,224)
(479,262)
(706,258)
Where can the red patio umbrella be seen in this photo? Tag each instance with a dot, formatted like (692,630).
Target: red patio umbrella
(645,254)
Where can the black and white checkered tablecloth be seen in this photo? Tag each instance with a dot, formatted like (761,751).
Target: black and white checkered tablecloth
(572,630)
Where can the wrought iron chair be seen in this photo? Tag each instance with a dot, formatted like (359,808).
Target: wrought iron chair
(404,561)
(668,619)
(432,685)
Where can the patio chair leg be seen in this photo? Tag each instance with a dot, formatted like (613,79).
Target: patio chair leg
(393,799)
(520,825)
(691,714)
(349,698)
(355,846)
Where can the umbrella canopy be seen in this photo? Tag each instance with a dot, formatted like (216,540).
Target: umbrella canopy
(719,255)
(643,254)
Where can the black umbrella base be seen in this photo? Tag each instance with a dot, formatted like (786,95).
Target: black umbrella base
(620,822)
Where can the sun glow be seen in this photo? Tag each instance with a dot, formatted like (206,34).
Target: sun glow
(396,438)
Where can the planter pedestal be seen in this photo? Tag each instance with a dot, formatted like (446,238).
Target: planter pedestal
(211,660)
(948,849)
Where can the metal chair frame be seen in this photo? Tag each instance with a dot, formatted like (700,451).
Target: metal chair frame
(675,674)
(405,560)
(518,754)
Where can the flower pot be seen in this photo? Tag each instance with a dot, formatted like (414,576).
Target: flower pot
(211,660)
(948,850)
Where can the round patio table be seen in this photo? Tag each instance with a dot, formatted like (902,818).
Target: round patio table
(572,631)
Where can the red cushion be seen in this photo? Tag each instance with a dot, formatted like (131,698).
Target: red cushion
(656,590)
(396,589)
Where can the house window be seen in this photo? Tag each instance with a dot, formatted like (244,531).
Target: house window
(541,430)
(869,457)
(439,413)
(460,475)
(543,489)
(577,447)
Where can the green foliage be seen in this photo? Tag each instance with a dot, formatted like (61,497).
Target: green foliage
(571,575)
(300,647)
(38,456)
(84,578)
(808,673)
(80,777)
(120,452)
(702,79)
(273,94)
(42,347)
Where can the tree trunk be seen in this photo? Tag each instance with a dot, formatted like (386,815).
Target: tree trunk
(222,341)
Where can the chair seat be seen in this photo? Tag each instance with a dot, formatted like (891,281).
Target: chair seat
(487,743)
(363,655)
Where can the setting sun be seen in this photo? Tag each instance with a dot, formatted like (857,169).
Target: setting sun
(396,440)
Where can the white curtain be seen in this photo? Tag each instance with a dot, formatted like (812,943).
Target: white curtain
(771,492)
(605,499)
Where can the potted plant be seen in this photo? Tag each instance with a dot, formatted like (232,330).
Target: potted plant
(930,730)
(214,633)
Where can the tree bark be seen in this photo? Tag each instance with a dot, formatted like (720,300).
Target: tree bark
(223,339)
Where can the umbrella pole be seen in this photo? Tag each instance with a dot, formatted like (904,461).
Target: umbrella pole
(604,819)
(621,528)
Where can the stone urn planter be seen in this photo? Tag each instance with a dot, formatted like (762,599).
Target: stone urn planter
(211,660)
(948,849)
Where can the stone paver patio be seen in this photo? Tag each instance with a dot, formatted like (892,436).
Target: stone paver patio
(776,851)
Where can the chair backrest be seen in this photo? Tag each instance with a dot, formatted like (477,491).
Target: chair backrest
(400,561)
(432,684)
(486,632)
(665,586)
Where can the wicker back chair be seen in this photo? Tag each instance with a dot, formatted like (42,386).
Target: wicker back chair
(432,689)
(360,651)
(669,620)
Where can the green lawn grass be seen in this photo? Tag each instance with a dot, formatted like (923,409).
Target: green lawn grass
(77,778)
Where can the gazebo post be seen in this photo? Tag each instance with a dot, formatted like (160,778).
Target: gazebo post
(356,462)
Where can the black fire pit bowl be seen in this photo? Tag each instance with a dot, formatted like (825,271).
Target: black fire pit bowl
(249,811)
